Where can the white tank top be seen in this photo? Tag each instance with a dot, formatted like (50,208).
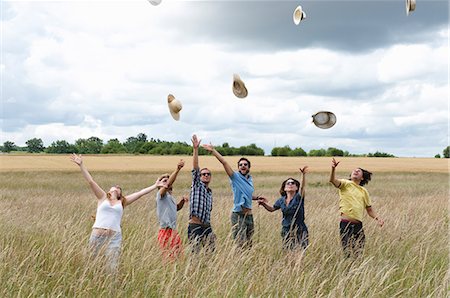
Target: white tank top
(108,217)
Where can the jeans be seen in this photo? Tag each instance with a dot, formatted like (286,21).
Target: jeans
(243,228)
(294,237)
(201,236)
(352,238)
(107,246)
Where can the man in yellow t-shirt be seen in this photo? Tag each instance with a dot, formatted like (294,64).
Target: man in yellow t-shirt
(353,199)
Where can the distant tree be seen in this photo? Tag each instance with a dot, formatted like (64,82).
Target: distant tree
(319,152)
(61,146)
(93,145)
(334,152)
(298,152)
(380,154)
(35,145)
(437,156)
(113,146)
(446,152)
(8,146)
(142,137)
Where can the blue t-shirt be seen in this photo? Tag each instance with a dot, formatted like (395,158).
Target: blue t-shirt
(242,191)
(289,211)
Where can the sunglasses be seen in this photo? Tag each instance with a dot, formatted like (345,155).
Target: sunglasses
(205,174)
(290,183)
(243,164)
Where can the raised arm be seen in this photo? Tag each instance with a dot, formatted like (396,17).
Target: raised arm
(172,178)
(333,179)
(226,166)
(135,196)
(99,193)
(195,144)
(303,170)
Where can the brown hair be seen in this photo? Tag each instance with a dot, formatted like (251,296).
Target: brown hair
(283,192)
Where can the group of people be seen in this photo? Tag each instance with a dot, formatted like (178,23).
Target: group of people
(106,234)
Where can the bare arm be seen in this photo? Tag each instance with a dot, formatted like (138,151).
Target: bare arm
(222,160)
(373,214)
(263,202)
(195,144)
(135,196)
(333,179)
(172,178)
(303,170)
(180,204)
(99,193)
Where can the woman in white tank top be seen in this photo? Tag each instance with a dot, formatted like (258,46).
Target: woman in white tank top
(106,236)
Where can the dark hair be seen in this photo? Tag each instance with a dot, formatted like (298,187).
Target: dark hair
(283,192)
(243,158)
(366,177)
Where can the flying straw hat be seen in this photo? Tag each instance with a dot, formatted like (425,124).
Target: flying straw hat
(324,119)
(174,106)
(239,87)
(298,15)
(155,2)
(410,6)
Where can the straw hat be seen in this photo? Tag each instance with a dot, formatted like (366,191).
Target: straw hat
(324,119)
(155,2)
(410,6)
(239,87)
(174,106)
(298,15)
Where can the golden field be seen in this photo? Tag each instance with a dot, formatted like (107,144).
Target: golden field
(46,222)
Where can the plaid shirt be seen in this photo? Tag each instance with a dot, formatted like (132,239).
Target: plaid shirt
(200,201)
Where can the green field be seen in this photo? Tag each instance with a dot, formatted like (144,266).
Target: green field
(46,223)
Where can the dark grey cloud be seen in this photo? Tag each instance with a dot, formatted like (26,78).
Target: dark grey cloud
(351,26)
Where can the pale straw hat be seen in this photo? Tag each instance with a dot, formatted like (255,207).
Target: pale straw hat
(410,6)
(239,88)
(298,15)
(324,119)
(174,106)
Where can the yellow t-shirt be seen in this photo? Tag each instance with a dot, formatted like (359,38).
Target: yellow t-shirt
(353,199)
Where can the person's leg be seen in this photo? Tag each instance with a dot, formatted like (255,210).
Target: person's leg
(359,240)
(209,239)
(303,236)
(112,252)
(176,248)
(285,238)
(249,230)
(345,233)
(238,229)
(195,232)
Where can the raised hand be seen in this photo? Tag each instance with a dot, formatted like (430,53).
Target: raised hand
(334,163)
(304,170)
(76,159)
(208,147)
(195,141)
(180,164)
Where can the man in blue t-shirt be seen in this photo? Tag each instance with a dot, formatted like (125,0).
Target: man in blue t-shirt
(242,184)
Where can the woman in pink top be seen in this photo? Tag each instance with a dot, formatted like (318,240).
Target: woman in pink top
(106,236)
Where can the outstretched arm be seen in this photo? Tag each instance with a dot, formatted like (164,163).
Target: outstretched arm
(195,144)
(135,196)
(263,202)
(373,214)
(226,166)
(172,178)
(99,193)
(303,170)
(333,179)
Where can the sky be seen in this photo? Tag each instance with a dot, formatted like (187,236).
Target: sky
(76,69)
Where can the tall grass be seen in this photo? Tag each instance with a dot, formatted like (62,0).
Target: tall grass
(46,222)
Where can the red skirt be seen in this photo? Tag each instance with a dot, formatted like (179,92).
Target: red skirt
(170,243)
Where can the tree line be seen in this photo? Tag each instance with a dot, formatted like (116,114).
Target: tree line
(140,144)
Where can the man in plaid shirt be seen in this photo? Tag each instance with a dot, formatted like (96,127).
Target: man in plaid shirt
(200,205)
